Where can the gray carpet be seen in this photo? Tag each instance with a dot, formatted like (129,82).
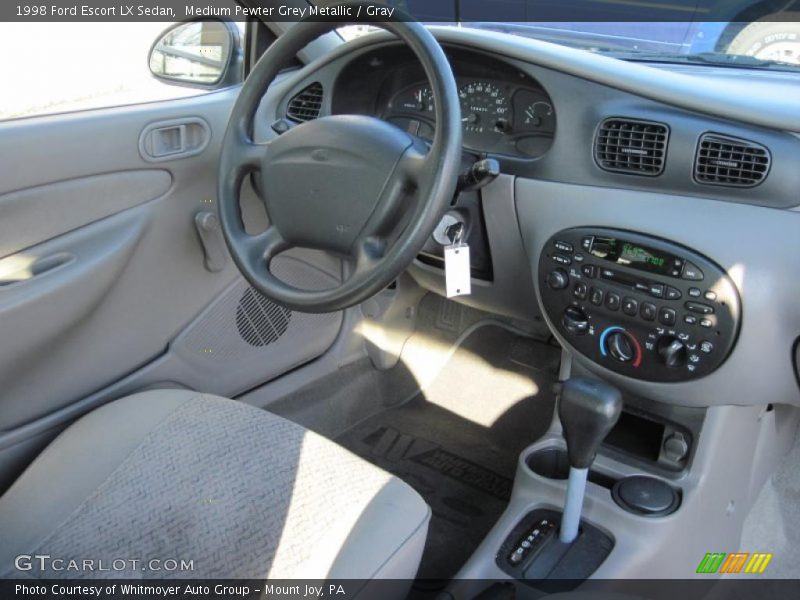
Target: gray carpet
(457,441)
(773,524)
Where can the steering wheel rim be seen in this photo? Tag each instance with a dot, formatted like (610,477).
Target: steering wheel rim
(427,176)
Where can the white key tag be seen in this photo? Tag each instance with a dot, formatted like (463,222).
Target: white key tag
(456,270)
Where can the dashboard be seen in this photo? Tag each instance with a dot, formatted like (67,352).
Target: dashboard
(622,150)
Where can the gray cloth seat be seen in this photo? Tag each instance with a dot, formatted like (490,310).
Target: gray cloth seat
(180,476)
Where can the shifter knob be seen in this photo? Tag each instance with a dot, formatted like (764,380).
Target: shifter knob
(588,409)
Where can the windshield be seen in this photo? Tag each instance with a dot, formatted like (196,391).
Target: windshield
(743,33)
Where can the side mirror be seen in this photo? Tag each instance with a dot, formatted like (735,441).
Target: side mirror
(203,53)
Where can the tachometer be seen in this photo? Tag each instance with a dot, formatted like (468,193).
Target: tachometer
(484,108)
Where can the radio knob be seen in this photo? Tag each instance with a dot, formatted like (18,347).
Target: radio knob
(575,321)
(558,279)
(671,351)
(620,347)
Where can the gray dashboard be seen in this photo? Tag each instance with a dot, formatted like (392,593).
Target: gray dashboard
(752,232)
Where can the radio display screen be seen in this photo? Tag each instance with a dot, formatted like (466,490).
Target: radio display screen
(634,255)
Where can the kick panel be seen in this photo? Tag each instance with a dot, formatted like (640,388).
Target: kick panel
(639,305)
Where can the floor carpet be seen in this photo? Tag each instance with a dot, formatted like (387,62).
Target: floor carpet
(457,441)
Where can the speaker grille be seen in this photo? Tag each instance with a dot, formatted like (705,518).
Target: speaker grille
(259,320)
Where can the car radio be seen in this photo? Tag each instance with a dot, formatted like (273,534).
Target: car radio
(639,305)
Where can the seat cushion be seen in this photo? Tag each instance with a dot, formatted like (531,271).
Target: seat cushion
(240,492)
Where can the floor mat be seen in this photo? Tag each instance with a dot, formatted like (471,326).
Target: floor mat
(457,441)
(773,524)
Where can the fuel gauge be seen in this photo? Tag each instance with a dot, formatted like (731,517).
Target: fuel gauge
(537,113)
(533,113)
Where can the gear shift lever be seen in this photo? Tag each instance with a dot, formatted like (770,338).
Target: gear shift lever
(588,409)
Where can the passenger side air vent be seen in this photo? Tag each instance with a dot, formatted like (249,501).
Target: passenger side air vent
(631,146)
(305,106)
(723,160)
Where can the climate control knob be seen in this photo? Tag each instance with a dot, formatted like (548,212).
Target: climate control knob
(671,351)
(620,347)
(557,279)
(575,321)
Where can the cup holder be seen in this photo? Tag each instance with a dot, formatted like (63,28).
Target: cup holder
(551,463)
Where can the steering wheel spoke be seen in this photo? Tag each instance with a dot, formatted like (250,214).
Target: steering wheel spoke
(368,253)
(249,154)
(413,166)
(260,249)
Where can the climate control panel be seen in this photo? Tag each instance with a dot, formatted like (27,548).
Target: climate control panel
(639,305)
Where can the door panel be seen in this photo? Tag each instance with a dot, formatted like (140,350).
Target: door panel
(121,271)
(46,211)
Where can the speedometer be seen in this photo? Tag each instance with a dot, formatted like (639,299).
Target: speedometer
(484,108)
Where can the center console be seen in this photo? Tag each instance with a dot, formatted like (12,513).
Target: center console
(639,305)
(648,309)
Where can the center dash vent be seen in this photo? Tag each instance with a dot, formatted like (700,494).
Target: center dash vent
(306,105)
(631,146)
(723,160)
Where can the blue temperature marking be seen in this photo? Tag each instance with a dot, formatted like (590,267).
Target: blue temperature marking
(603,338)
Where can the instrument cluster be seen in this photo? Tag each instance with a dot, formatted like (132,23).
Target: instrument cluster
(498,117)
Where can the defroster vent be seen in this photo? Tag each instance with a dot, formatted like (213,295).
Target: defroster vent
(631,146)
(723,160)
(306,105)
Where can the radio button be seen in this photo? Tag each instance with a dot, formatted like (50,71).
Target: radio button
(613,301)
(587,242)
(557,279)
(707,323)
(630,306)
(677,267)
(563,247)
(694,292)
(607,274)
(673,293)
(710,296)
(667,316)
(589,270)
(657,290)
(561,259)
(691,272)
(648,311)
(580,290)
(706,347)
(701,309)
(690,320)
(596,296)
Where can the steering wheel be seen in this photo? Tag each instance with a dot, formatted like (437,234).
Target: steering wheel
(348,184)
